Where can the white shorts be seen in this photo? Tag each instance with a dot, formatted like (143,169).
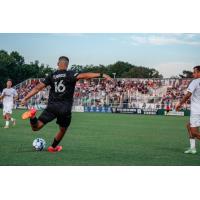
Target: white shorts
(7,108)
(195,121)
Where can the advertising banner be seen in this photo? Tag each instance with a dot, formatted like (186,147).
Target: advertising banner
(135,111)
(99,109)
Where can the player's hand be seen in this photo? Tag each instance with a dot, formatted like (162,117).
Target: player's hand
(1,97)
(107,77)
(178,106)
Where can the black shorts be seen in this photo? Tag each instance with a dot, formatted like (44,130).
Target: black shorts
(60,111)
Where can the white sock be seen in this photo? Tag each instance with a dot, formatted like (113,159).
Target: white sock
(12,119)
(192,143)
(7,123)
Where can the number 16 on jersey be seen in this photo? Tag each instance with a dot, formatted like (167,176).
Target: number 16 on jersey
(59,86)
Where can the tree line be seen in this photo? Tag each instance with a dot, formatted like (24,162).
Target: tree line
(13,66)
(120,69)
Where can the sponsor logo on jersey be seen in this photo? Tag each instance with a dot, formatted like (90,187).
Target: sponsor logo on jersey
(59,76)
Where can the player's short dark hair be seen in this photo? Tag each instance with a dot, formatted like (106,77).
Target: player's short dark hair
(9,80)
(197,67)
(63,58)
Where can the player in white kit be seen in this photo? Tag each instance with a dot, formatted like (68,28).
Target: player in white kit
(8,95)
(193,91)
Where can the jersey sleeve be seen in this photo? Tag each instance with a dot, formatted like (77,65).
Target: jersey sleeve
(15,93)
(47,80)
(191,88)
(3,92)
(73,76)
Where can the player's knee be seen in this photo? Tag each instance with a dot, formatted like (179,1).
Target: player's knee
(194,132)
(35,129)
(194,135)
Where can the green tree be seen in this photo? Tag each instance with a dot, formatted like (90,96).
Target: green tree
(186,74)
(124,70)
(13,66)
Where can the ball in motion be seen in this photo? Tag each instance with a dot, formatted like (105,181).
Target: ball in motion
(39,144)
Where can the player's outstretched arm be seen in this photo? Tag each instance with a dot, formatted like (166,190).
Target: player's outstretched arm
(2,95)
(34,91)
(184,100)
(93,75)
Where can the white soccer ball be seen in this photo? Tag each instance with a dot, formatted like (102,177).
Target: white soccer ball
(39,144)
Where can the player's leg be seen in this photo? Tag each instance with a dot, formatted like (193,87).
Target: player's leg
(60,134)
(34,122)
(63,121)
(194,126)
(12,120)
(194,132)
(7,121)
(189,131)
(38,123)
(9,110)
(6,112)
(192,148)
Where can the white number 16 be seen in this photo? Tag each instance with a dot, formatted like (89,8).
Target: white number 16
(59,87)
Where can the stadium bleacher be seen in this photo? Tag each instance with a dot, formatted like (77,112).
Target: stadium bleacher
(122,93)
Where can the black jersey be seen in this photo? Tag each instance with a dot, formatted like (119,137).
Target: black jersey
(62,83)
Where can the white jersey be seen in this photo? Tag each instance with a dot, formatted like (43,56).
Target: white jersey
(9,94)
(194,88)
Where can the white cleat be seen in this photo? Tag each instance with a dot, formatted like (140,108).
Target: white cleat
(190,151)
(6,127)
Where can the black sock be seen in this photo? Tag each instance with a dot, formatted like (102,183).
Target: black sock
(55,143)
(33,121)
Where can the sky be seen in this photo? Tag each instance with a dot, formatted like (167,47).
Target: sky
(170,54)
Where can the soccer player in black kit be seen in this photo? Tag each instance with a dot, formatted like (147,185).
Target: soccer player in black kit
(62,83)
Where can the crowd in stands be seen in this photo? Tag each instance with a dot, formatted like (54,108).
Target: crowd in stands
(126,93)
(117,93)
(175,91)
(27,86)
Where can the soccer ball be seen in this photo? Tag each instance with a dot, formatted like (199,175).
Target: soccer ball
(39,144)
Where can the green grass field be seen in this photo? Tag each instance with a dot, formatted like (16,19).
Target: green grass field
(101,140)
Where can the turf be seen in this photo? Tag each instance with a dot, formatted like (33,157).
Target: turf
(96,139)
